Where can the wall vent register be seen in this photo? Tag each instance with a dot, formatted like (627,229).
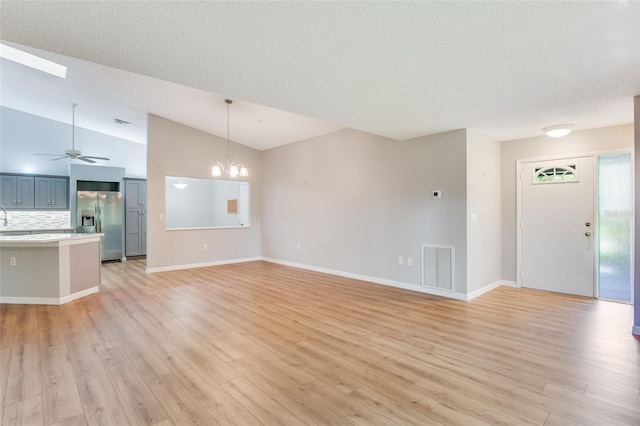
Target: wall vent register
(438,267)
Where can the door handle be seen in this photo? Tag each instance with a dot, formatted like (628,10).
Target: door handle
(588,234)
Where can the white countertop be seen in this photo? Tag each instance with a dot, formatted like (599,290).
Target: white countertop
(37,239)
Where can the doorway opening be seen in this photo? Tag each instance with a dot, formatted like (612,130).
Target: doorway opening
(615,226)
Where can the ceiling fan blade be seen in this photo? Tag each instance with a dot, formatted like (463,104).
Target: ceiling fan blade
(85,159)
(95,158)
(53,155)
(59,158)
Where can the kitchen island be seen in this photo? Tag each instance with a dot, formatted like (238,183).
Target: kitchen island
(48,269)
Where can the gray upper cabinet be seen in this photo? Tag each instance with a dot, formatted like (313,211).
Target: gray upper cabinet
(17,192)
(135,204)
(51,193)
(136,193)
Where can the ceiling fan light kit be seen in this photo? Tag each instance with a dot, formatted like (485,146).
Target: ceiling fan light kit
(73,153)
(232,169)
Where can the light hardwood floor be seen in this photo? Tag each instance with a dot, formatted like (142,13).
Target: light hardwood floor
(259,343)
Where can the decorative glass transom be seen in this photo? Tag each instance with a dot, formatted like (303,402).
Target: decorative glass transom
(555,174)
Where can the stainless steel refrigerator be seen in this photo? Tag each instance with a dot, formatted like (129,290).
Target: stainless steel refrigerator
(100,209)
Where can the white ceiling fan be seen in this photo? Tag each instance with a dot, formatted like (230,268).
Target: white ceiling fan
(73,153)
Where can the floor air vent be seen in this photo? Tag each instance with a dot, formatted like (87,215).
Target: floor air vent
(437,267)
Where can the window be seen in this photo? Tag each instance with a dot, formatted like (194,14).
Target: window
(555,174)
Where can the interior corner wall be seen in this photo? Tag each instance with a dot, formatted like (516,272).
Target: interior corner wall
(585,141)
(636,305)
(483,211)
(354,202)
(174,149)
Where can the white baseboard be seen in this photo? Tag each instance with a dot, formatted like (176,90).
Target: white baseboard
(489,287)
(78,295)
(48,300)
(30,300)
(635,330)
(374,280)
(201,265)
(483,290)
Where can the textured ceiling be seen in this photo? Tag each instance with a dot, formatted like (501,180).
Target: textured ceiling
(397,69)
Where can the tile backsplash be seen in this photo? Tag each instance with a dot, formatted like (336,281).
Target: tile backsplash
(36,219)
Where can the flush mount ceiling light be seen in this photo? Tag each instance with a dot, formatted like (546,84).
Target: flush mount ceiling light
(32,61)
(558,130)
(232,169)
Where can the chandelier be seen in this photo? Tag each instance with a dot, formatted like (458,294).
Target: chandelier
(232,169)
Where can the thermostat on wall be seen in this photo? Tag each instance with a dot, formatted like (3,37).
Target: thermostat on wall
(437,194)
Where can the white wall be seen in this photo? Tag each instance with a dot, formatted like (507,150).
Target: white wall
(223,192)
(602,139)
(22,135)
(354,202)
(177,150)
(483,201)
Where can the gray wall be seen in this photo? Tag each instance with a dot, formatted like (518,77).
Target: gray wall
(177,150)
(22,135)
(483,201)
(586,141)
(636,306)
(36,274)
(354,202)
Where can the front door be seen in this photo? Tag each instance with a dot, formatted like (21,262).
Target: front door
(557,226)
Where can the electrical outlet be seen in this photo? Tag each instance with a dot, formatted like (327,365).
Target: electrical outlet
(409,261)
(400,260)
(12,261)
(205,246)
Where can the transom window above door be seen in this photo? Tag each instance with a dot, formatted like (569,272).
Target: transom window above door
(555,174)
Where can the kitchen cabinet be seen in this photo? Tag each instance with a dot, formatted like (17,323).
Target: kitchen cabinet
(51,193)
(16,192)
(135,193)
(135,204)
(136,230)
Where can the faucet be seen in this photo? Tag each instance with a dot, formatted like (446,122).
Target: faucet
(6,216)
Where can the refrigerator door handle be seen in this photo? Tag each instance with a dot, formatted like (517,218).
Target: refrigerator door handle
(98,219)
